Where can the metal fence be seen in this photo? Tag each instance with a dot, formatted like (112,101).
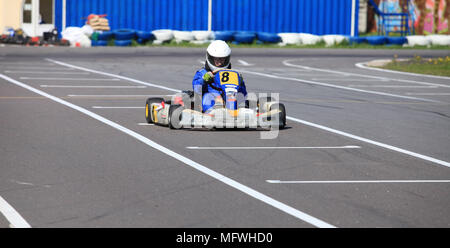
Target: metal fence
(308,16)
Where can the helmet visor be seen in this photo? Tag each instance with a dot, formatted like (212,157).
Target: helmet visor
(219,61)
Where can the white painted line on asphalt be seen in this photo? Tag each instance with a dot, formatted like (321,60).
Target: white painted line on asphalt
(48,72)
(26,63)
(339,87)
(363,65)
(113,75)
(427,94)
(22,183)
(244,63)
(292,74)
(230,182)
(350,79)
(50,68)
(394,86)
(77,79)
(447,164)
(94,86)
(360,181)
(146,124)
(268,147)
(104,107)
(13,217)
(286,63)
(393,148)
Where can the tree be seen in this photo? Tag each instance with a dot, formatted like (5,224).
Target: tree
(447,15)
(421,6)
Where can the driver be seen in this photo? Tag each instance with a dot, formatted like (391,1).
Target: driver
(217,58)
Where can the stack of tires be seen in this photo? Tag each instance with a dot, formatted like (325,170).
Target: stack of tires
(124,37)
(162,36)
(396,40)
(376,40)
(428,40)
(243,37)
(290,39)
(144,36)
(356,40)
(226,36)
(439,39)
(333,39)
(101,38)
(183,36)
(264,37)
(309,39)
(202,37)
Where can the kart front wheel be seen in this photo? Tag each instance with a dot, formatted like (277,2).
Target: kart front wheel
(149,108)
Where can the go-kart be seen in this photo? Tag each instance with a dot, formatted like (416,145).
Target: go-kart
(230,109)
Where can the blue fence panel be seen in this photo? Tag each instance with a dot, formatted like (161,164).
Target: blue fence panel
(137,14)
(58,15)
(306,16)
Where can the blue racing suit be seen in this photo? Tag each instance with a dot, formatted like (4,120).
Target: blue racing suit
(201,88)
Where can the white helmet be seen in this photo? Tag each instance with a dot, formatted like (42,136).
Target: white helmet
(218,55)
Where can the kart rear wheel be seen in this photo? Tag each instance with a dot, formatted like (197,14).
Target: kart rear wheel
(281,115)
(175,116)
(148,108)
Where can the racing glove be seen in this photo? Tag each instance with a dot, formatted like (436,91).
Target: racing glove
(208,77)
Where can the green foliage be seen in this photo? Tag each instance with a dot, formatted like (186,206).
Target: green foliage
(434,66)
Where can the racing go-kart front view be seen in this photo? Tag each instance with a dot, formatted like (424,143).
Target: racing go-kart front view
(230,109)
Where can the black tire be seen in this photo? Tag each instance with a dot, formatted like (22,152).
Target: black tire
(175,116)
(282,114)
(148,110)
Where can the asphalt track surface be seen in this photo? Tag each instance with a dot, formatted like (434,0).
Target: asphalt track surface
(362,148)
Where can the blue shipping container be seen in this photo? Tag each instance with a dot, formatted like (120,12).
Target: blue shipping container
(276,16)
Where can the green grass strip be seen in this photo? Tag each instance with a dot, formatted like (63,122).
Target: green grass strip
(432,66)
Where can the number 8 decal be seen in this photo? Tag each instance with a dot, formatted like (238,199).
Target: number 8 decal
(225,77)
(229,77)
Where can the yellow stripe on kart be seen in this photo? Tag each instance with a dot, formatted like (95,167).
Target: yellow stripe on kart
(155,118)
